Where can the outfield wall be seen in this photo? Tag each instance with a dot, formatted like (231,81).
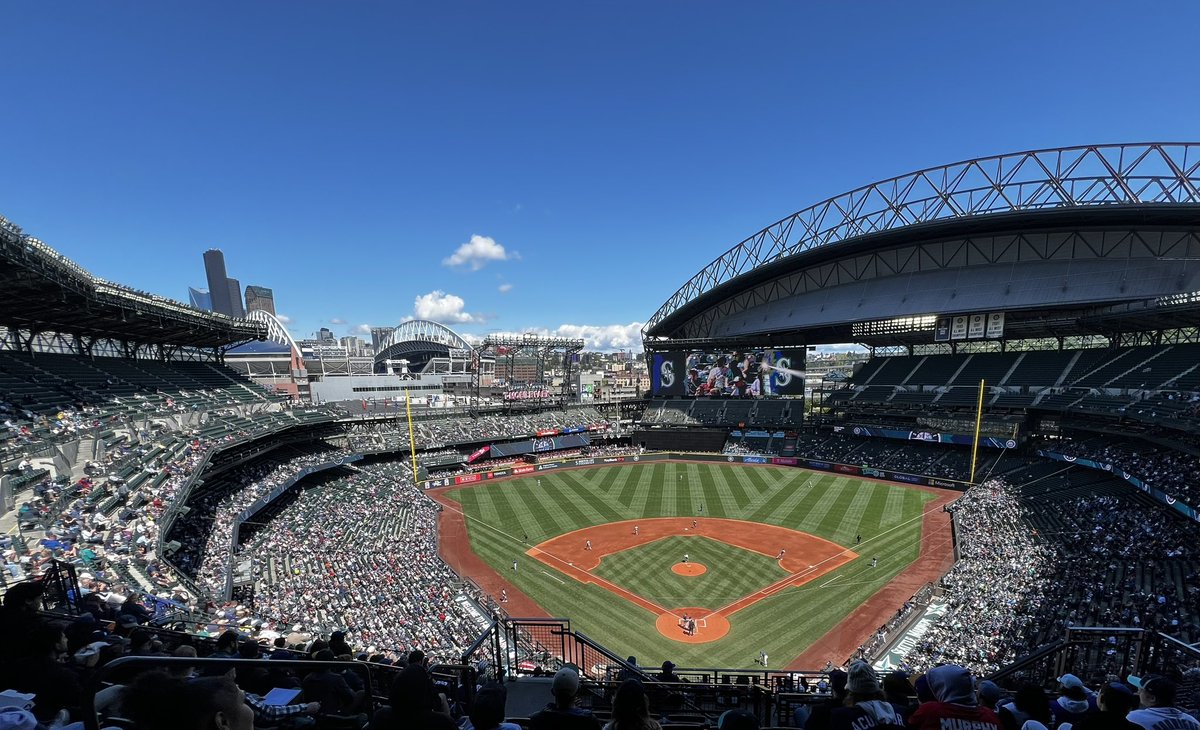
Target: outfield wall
(828,466)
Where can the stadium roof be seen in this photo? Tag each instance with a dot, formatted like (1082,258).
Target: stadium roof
(1059,235)
(43,291)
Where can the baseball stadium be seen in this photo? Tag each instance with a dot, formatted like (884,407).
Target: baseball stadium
(1004,481)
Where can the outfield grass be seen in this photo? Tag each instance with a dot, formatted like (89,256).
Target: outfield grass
(502,515)
(732,572)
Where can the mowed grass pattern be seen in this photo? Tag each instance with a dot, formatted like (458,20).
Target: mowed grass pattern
(503,516)
(732,572)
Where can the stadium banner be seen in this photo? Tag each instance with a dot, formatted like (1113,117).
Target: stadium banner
(477,454)
(785,461)
(961,439)
(941,330)
(544,443)
(546,432)
(752,373)
(894,657)
(958,328)
(995,325)
(1183,509)
(976,326)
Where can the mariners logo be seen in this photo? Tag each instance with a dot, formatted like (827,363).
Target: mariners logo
(782,375)
(666,373)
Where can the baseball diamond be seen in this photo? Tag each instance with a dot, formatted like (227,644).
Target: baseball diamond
(634,588)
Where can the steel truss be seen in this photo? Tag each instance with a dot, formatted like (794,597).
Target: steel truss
(546,351)
(1073,177)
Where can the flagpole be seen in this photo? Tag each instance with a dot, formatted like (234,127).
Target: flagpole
(412,440)
(978,425)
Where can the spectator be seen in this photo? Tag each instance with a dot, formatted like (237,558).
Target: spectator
(1115,702)
(954,701)
(562,714)
(1028,710)
(819,715)
(866,707)
(413,705)
(488,710)
(1074,702)
(158,702)
(631,708)
(1158,712)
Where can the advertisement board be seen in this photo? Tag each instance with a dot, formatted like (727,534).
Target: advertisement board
(961,439)
(749,373)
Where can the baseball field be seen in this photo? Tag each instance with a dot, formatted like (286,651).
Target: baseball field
(703,564)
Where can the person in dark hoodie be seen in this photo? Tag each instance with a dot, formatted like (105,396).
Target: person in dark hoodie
(1028,710)
(1074,702)
(1115,702)
(866,706)
(818,719)
(954,706)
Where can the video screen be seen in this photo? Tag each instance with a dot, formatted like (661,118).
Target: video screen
(736,374)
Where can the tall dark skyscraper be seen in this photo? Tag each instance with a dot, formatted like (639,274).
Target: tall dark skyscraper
(218,281)
(235,298)
(259,297)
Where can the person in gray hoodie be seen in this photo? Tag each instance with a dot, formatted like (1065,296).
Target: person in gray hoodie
(866,706)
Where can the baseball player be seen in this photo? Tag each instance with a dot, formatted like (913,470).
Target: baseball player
(587,545)
(514,566)
(781,554)
(874,562)
(637,530)
(686,558)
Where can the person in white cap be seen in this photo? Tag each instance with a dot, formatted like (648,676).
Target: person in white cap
(1074,701)
(866,706)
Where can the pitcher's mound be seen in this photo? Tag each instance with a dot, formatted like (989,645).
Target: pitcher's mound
(709,626)
(689,569)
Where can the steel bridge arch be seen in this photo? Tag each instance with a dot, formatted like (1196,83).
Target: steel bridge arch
(424,330)
(276,330)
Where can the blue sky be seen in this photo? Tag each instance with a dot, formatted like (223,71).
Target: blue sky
(342,153)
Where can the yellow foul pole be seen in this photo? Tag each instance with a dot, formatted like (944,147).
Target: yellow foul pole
(978,426)
(412,440)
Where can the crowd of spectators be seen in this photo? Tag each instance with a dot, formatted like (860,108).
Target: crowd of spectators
(359,554)
(206,531)
(1167,470)
(1028,569)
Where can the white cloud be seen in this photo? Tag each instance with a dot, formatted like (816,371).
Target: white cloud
(283,318)
(604,337)
(441,307)
(504,288)
(361,329)
(337,320)
(477,252)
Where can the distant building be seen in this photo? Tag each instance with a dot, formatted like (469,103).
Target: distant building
(200,298)
(260,298)
(218,281)
(378,334)
(235,298)
(353,345)
(326,335)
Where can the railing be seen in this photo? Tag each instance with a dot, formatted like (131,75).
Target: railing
(1102,651)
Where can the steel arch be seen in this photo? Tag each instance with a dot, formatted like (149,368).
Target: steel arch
(424,330)
(276,331)
(1142,173)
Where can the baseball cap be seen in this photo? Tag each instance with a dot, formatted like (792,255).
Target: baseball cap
(1070,680)
(1163,689)
(668,665)
(837,680)
(566,682)
(127,620)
